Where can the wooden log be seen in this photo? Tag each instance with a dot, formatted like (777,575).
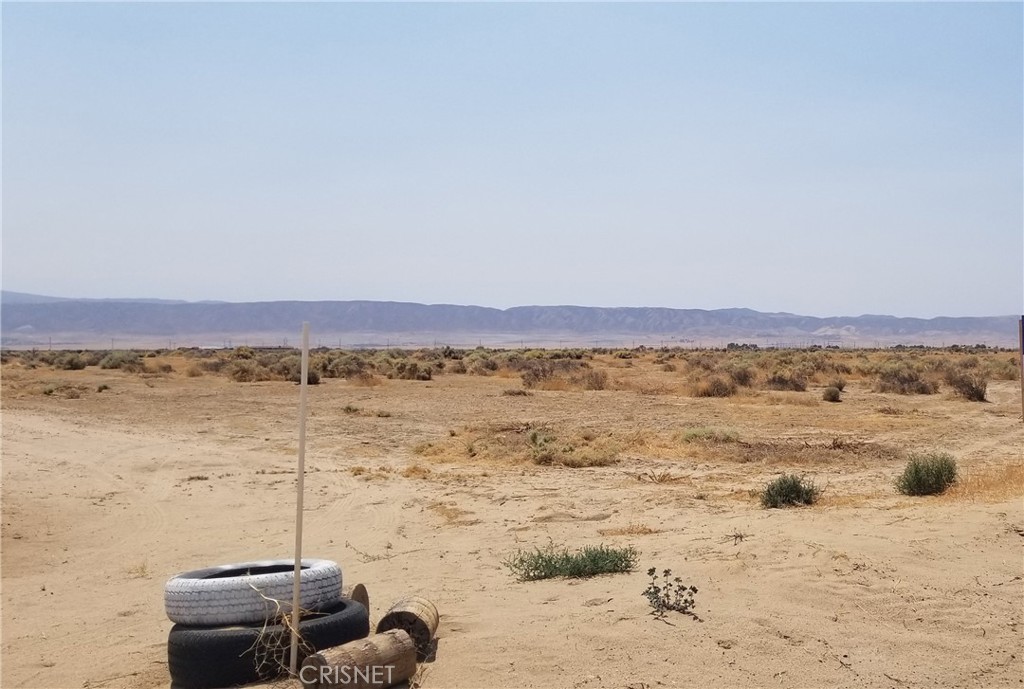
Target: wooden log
(376,662)
(360,595)
(416,615)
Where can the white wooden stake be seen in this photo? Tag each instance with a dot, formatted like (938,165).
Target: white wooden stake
(300,483)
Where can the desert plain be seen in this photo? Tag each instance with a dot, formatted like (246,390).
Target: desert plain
(115,479)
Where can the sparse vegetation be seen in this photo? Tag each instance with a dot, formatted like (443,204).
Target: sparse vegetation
(968,383)
(715,386)
(832,394)
(902,378)
(789,490)
(927,474)
(554,561)
(669,594)
(709,435)
(786,380)
(125,361)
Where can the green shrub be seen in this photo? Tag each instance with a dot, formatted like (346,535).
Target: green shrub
(70,362)
(789,490)
(553,561)
(126,361)
(927,474)
(831,394)
(969,384)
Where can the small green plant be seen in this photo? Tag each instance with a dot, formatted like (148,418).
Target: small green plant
(554,561)
(927,474)
(789,490)
(832,394)
(669,594)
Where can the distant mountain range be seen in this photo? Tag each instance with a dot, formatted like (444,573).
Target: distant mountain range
(34,320)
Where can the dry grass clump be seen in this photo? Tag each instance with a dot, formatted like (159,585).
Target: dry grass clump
(634,529)
(709,435)
(452,514)
(416,471)
(715,386)
(659,477)
(988,484)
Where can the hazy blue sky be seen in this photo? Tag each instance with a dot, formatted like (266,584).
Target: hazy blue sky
(825,159)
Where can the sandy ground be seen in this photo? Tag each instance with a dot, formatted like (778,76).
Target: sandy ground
(866,589)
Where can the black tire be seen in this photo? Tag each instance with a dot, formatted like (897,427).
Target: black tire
(249,592)
(215,657)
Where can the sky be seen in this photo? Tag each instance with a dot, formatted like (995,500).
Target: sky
(822,159)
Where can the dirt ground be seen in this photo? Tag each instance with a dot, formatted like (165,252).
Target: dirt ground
(107,494)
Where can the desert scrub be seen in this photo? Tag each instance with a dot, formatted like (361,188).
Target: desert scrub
(247,371)
(709,435)
(126,361)
(927,474)
(669,594)
(70,362)
(786,380)
(789,490)
(901,377)
(832,394)
(715,386)
(554,561)
(967,383)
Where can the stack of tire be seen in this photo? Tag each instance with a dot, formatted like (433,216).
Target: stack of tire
(227,628)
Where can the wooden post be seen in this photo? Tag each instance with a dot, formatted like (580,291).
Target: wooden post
(418,616)
(360,595)
(379,661)
(293,665)
(1020,370)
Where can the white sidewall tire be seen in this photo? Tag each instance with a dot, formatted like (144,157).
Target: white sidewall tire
(231,594)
